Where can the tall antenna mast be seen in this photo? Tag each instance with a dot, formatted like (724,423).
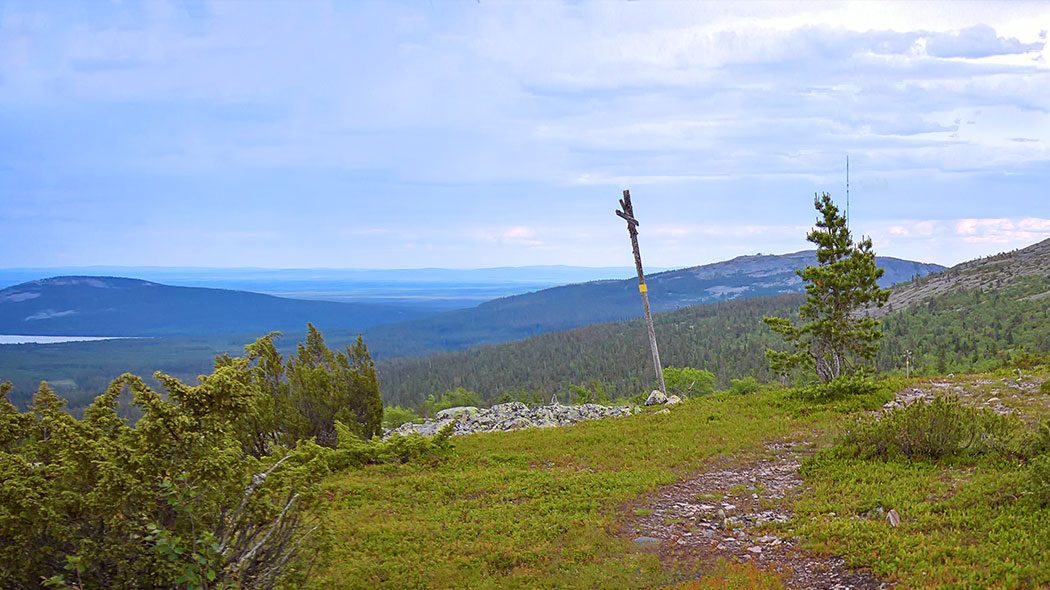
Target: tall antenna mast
(847,190)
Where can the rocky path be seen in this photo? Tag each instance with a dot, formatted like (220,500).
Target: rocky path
(720,513)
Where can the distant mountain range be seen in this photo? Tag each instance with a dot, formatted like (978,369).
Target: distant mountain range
(110,306)
(572,306)
(190,324)
(434,289)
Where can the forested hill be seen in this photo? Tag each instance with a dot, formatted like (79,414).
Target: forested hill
(109,306)
(988,273)
(955,331)
(726,338)
(974,316)
(572,306)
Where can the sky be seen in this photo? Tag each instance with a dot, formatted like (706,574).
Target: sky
(471,134)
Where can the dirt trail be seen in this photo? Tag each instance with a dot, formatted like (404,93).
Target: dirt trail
(718,513)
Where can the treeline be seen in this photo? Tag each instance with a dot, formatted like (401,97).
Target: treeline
(956,332)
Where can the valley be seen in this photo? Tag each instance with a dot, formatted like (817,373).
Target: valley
(190,325)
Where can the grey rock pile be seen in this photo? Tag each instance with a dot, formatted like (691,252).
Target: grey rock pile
(510,416)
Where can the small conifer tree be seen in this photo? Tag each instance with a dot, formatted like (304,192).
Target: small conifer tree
(835,331)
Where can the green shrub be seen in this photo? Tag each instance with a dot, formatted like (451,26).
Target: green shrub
(354,452)
(303,397)
(591,393)
(855,385)
(688,382)
(1036,442)
(210,489)
(1039,479)
(744,386)
(168,503)
(394,416)
(1044,387)
(450,399)
(941,428)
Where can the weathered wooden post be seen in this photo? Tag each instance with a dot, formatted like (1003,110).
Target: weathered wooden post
(627,213)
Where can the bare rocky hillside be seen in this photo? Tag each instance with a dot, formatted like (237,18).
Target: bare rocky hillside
(990,273)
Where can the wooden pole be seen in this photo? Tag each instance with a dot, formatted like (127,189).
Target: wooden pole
(626,211)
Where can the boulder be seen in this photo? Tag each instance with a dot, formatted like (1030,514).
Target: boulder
(456,412)
(656,398)
(646,542)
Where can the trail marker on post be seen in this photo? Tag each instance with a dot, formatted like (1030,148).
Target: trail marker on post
(626,211)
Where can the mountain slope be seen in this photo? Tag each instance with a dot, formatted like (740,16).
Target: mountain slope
(110,306)
(572,306)
(953,331)
(992,272)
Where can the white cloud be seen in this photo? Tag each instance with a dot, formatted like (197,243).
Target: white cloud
(738,103)
(950,241)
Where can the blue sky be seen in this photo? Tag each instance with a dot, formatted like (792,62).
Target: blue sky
(476,134)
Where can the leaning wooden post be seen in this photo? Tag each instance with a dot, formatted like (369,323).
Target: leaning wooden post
(627,213)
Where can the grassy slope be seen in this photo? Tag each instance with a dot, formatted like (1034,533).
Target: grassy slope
(966,522)
(538,508)
(541,508)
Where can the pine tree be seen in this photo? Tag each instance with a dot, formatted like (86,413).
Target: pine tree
(836,332)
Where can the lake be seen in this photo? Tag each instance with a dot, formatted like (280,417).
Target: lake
(20,339)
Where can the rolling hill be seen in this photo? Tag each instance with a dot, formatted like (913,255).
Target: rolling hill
(974,316)
(111,306)
(572,306)
(436,289)
(191,325)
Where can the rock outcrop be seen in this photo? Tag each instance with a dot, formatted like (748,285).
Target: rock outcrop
(510,416)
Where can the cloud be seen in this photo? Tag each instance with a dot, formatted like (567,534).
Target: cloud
(658,93)
(975,42)
(1034,224)
(518,235)
(403,116)
(951,241)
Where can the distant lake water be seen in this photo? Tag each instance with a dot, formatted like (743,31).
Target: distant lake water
(19,339)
